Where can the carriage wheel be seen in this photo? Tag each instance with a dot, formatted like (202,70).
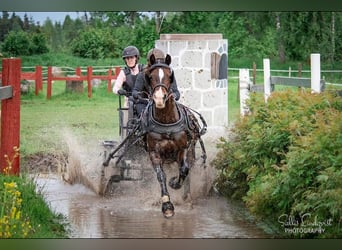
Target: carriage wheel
(110,176)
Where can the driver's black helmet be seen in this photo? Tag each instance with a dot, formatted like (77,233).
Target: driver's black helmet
(130,51)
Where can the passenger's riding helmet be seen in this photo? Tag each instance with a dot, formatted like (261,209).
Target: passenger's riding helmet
(158,54)
(131,51)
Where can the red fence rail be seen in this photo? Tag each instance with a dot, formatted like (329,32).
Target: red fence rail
(79,77)
(37,76)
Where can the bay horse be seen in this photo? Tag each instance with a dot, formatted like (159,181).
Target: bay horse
(170,134)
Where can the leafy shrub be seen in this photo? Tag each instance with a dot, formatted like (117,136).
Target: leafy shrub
(94,43)
(20,43)
(16,43)
(285,158)
(39,44)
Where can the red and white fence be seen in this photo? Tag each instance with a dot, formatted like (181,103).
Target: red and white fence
(37,76)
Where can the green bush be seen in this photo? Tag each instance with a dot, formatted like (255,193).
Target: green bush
(39,44)
(285,160)
(16,43)
(94,43)
(20,43)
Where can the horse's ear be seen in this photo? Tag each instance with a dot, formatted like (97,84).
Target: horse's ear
(168,59)
(152,59)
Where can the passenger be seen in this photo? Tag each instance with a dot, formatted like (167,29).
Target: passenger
(140,90)
(127,76)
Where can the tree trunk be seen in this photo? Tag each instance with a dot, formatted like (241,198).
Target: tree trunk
(281,50)
(157,21)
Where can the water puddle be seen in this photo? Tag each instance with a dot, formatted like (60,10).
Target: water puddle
(139,216)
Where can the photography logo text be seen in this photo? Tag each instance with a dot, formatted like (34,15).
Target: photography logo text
(303,224)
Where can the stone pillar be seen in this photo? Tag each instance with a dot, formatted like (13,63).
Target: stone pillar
(200,63)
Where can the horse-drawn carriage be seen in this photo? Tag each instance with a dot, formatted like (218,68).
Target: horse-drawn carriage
(166,131)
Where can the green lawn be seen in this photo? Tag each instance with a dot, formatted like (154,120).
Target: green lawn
(44,122)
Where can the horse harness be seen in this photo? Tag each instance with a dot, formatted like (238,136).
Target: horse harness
(187,123)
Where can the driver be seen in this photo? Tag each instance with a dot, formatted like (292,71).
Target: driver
(127,76)
(140,90)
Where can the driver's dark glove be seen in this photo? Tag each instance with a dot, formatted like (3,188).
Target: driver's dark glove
(122,92)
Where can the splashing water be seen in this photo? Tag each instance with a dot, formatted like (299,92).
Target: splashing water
(85,167)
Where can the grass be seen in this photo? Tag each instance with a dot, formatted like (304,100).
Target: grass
(24,213)
(43,120)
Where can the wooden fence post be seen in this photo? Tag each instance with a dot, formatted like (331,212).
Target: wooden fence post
(39,79)
(78,71)
(49,83)
(109,84)
(315,73)
(267,78)
(300,68)
(10,118)
(254,73)
(244,90)
(89,77)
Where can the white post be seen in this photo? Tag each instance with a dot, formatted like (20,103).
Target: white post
(267,78)
(244,91)
(315,73)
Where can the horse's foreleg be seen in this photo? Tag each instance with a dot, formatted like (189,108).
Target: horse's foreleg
(176,183)
(167,206)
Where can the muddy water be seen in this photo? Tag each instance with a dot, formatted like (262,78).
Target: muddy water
(134,209)
(93,216)
(139,216)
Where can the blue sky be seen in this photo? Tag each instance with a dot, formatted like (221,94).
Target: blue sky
(54,16)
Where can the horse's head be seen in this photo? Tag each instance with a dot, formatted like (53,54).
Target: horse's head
(160,76)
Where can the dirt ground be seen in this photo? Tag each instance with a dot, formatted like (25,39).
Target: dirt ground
(44,163)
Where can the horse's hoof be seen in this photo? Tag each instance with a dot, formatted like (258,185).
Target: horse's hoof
(168,214)
(174,183)
(168,209)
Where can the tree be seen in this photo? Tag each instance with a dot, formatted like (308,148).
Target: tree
(93,43)
(5,26)
(16,44)
(38,44)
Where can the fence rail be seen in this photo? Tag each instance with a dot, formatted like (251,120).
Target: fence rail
(315,82)
(6,92)
(43,73)
(288,72)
